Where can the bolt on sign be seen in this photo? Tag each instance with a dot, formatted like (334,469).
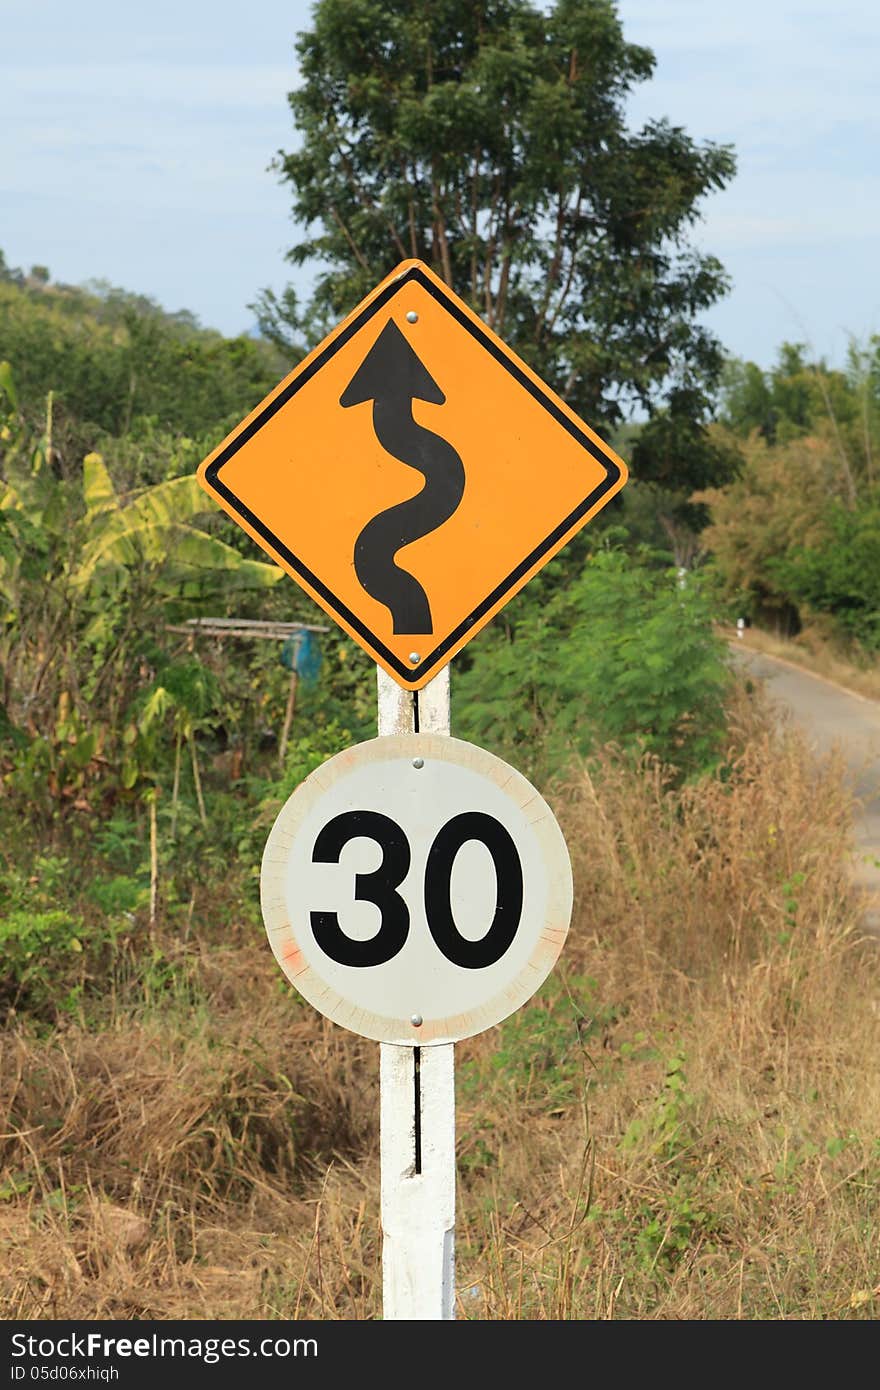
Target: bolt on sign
(412,474)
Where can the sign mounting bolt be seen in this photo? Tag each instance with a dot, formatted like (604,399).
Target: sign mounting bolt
(417,1020)
(418,762)
(415,658)
(412,316)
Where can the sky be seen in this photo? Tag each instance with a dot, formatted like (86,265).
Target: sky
(136,144)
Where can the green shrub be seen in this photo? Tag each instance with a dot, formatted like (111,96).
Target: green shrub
(841,574)
(48,948)
(622,654)
(304,755)
(41,963)
(121,895)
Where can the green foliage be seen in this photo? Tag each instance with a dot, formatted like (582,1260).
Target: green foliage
(798,397)
(117,840)
(674,455)
(542,1046)
(89,578)
(45,946)
(677,1218)
(840,574)
(56,766)
(278,319)
(116,358)
(797,534)
(674,1225)
(791,889)
(16,1185)
(620,653)
(306,753)
(121,895)
(345,694)
(187,686)
(35,950)
(540,1061)
(154,530)
(490,140)
(663,1127)
(778,503)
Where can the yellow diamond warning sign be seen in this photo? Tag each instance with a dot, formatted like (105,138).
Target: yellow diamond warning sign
(412,474)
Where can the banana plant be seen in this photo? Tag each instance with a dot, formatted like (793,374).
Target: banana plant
(86,575)
(156,527)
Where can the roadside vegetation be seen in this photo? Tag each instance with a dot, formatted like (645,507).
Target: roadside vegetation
(683,1122)
(794,540)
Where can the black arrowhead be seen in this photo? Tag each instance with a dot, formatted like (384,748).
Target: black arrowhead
(392,377)
(391,370)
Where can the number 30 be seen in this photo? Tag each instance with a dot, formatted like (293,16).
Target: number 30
(380,887)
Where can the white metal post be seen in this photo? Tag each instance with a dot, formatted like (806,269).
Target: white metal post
(417,1106)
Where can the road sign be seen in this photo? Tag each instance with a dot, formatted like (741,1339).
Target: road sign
(416,889)
(412,474)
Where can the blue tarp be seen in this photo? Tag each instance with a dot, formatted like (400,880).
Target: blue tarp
(301,653)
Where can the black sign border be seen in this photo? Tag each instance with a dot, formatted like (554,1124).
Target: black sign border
(414,673)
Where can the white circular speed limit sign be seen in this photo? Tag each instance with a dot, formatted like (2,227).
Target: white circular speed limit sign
(416,889)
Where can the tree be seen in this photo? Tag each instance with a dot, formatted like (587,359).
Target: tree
(675,456)
(840,574)
(117,361)
(621,654)
(489,139)
(799,397)
(779,501)
(82,569)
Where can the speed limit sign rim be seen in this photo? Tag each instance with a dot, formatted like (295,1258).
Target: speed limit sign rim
(308,978)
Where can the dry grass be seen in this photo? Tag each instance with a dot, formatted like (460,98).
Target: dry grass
(683,1124)
(204,1120)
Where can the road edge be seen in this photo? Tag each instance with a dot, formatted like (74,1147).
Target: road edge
(742,645)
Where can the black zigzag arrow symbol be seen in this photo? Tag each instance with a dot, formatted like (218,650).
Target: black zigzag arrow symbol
(392,377)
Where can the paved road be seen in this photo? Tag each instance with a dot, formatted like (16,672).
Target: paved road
(831,715)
